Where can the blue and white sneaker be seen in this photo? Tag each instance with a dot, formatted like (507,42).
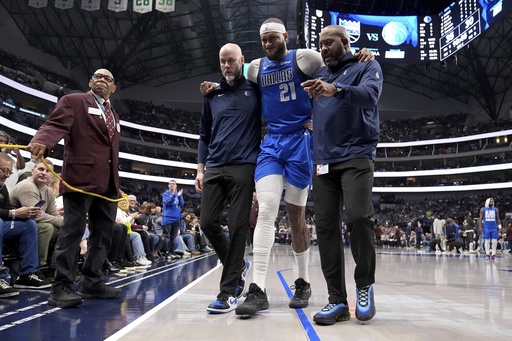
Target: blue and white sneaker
(223,304)
(332,313)
(241,288)
(365,304)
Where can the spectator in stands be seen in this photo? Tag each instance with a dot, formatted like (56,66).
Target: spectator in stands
(470,231)
(408,232)
(91,129)
(18,160)
(32,191)
(22,233)
(454,242)
(134,205)
(439,226)
(156,217)
(201,239)
(419,234)
(144,222)
(188,233)
(378,235)
(137,226)
(171,210)
(490,224)
(123,217)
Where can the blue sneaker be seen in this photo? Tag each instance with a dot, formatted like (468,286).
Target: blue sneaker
(365,305)
(332,313)
(241,288)
(223,304)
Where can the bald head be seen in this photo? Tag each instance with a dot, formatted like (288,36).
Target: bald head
(336,30)
(231,48)
(231,62)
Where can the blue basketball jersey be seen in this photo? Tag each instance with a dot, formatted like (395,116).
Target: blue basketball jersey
(489,218)
(285,104)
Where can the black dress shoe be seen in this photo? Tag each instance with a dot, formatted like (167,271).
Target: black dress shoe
(109,267)
(127,263)
(65,298)
(99,290)
(121,268)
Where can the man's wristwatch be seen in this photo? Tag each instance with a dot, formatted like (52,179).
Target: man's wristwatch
(338,86)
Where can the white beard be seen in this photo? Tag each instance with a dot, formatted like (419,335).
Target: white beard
(230,78)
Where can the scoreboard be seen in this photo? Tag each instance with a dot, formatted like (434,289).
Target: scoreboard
(460,23)
(410,38)
(464,20)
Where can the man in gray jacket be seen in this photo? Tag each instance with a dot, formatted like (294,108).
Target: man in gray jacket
(29,193)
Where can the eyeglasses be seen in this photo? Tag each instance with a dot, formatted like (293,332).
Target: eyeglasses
(6,171)
(98,76)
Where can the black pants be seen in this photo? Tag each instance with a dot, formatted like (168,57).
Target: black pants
(236,185)
(118,245)
(101,215)
(171,230)
(348,184)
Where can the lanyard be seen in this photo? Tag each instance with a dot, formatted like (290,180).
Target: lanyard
(103,111)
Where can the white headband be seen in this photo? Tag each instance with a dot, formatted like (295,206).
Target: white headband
(272,27)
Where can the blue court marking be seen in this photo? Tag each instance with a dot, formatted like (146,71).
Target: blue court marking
(306,324)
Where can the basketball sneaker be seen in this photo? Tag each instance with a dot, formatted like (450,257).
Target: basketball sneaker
(302,294)
(365,304)
(223,304)
(256,300)
(332,313)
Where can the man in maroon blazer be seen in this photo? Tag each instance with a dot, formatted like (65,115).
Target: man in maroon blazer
(91,132)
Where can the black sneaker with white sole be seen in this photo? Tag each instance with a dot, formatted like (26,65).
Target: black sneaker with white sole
(33,281)
(6,290)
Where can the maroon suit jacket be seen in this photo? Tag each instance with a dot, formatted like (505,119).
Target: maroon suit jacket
(90,157)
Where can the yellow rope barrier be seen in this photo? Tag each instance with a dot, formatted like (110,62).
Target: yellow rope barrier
(16,146)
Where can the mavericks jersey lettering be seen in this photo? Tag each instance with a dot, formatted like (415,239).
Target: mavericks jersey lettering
(489,218)
(285,104)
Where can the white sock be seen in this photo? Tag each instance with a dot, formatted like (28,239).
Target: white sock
(487,247)
(494,246)
(302,260)
(268,191)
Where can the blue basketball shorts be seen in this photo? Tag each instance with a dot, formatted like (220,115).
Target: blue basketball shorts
(289,155)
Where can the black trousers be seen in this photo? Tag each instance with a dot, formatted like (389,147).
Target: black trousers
(235,184)
(348,184)
(118,244)
(101,214)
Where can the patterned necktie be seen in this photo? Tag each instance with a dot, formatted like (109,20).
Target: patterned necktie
(109,116)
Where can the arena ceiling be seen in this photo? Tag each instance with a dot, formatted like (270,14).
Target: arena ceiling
(160,48)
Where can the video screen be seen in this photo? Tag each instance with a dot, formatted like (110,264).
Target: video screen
(493,10)
(393,38)
(410,38)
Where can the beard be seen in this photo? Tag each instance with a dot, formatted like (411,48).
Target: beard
(232,76)
(278,54)
(336,57)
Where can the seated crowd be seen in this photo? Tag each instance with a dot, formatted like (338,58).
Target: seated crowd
(31,213)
